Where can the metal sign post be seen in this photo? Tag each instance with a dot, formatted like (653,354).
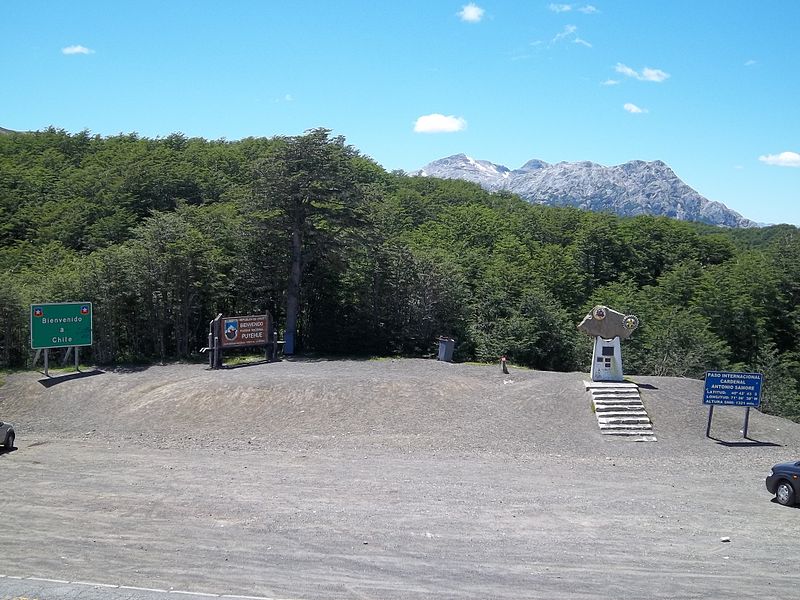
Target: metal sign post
(732,389)
(746,421)
(217,352)
(213,342)
(67,354)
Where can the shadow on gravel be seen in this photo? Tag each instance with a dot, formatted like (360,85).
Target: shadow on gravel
(311,358)
(775,501)
(5,450)
(247,364)
(51,381)
(131,368)
(647,386)
(747,443)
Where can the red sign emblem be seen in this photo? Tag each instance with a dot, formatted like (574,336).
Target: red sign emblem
(84,310)
(38,312)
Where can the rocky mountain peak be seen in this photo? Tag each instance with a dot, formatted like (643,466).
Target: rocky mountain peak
(634,188)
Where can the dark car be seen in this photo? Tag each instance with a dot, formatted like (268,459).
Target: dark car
(784,482)
(7,435)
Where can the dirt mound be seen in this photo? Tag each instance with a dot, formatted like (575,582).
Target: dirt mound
(406,404)
(391,479)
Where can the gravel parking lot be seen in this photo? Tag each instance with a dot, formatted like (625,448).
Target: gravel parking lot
(382,479)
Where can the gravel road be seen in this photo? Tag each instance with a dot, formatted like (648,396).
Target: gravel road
(384,479)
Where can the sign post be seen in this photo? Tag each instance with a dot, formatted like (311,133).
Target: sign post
(241,332)
(732,389)
(60,325)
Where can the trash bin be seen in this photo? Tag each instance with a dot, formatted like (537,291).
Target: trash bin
(446,346)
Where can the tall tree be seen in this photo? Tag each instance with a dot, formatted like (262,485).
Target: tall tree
(308,189)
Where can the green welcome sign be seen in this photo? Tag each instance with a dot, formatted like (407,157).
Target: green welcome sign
(61,325)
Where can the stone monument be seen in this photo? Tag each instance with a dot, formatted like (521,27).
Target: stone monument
(607,327)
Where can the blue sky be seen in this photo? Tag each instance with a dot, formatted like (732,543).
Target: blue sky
(710,87)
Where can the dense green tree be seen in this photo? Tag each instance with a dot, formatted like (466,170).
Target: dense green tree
(308,187)
(163,234)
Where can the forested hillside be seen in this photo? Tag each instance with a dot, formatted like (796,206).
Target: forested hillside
(163,234)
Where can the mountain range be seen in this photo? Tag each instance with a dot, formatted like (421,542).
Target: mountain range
(634,188)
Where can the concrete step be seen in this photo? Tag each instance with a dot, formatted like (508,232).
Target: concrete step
(615,388)
(643,421)
(620,393)
(609,384)
(620,411)
(634,436)
(628,432)
(605,416)
(617,402)
(607,389)
(627,409)
(622,426)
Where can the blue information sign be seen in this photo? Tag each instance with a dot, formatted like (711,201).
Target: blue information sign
(732,389)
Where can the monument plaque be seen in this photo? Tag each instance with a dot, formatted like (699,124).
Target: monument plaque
(607,326)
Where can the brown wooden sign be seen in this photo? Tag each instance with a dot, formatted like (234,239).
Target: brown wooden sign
(250,330)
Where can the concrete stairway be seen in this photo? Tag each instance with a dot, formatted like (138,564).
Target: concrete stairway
(619,410)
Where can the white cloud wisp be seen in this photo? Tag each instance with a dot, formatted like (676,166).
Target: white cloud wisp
(438,123)
(570,34)
(784,159)
(587,9)
(647,74)
(633,109)
(78,49)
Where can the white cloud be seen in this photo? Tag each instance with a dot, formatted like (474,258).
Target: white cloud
(656,75)
(633,109)
(587,9)
(288,98)
(626,70)
(569,30)
(647,74)
(610,82)
(471,13)
(76,50)
(749,63)
(570,33)
(784,159)
(436,123)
